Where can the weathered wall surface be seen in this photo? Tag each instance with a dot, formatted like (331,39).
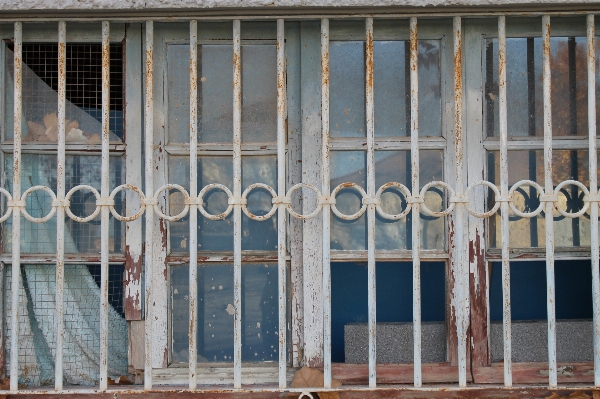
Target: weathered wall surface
(99,5)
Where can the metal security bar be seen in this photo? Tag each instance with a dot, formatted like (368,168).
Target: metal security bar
(457,204)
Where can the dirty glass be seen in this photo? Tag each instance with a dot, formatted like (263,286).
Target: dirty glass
(215,95)
(40,170)
(217,235)
(525,99)
(391,88)
(531,232)
(83,104)
(260,341)
(390,166)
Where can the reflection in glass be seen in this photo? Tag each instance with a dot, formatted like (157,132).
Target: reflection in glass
(395,166)
(349,290)
(217,235)
(525,99)
(40,170)
(260,340)
(215,95)
(390,166)
(531,232)
(391,88)
(573,304)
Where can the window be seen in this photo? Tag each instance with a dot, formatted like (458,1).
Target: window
(226,201)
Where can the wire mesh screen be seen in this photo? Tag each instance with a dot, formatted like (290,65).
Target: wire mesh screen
(83,89)
(81,353)
(40,169)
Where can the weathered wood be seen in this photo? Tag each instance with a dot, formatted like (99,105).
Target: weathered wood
(358,374)
(220,375)
(132,301)
(312,254)
(478,331)
(159,278)
(535,373)
(136,344)
(294,167)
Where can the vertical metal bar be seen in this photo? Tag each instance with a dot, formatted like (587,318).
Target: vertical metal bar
(60,211)
(281,213)
(237,209)
(325,187)
(416,230)
(16,218)
(105,211)
(193,288)
(462,300)
(149,183)
(549,205)
(503,119)
(370,119)
(593,159)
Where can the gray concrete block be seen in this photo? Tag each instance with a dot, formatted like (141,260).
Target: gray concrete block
(574,341)
(395,342)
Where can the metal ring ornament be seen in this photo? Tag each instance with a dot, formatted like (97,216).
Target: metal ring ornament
(142,204)
(296,214)
(363,207)
(533,184)
(42,219)
(428,211)
(208,188)
(586,204)
(245,207)
(68,208)
(305,394)
(496,195)
(9,209)
(185,209)
(404,190)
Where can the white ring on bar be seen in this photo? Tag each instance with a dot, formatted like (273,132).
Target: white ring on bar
(42,219)
(511,195)
(298,215)
(404,190)
(496,193)
(345,186)
(186,206)
(85,218)
(208,189)
(451,194)
(245,199)
(135,189)
(586,204)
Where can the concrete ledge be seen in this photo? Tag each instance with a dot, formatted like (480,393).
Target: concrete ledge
(574,341)
(395,343)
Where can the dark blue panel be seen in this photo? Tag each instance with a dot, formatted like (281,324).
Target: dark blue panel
(573,279)
(394,296)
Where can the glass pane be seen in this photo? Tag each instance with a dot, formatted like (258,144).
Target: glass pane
(217,235)
(395,166)
(215,95)
(525,100)
(37,333)
(349,290)
(83,93)
(531,232)
(392,88)
(348,166)
(79,237)
(574,330)
(260,341)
